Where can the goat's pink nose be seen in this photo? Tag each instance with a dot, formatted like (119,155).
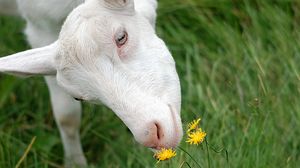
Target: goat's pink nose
(154,135)
(156,138)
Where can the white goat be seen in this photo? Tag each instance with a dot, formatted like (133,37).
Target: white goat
(107,51)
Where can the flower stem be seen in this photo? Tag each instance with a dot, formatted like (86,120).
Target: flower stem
(186,164)
(190,156)
(219,151)
(208,159)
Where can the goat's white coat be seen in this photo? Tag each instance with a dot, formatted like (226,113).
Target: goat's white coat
(138,81)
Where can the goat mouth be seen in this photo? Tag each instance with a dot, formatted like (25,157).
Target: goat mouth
(155,149)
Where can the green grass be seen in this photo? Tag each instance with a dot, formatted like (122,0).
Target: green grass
(238,64)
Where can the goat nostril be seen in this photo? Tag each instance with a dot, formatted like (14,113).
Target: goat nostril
(154,136)
(159,131)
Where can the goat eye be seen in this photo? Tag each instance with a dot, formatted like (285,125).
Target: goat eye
(121,38)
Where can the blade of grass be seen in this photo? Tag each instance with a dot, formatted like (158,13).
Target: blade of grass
(25,153)
(189,156)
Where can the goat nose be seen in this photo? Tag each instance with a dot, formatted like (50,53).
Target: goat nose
(154,136)
(163,135)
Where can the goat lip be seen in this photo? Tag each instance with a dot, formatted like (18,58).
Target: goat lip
(155,149)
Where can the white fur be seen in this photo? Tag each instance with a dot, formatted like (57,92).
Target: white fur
(138,81)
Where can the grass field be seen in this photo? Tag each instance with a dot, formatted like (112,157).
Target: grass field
(238,64)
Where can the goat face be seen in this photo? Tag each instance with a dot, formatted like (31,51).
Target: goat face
(108,53)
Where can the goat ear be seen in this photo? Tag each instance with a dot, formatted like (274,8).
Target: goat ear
(38,61)
(125,6)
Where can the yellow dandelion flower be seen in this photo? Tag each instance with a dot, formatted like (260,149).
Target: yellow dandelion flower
(193,125)
(196,137)
(164,154)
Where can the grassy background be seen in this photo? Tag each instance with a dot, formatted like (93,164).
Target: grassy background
(239,67)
